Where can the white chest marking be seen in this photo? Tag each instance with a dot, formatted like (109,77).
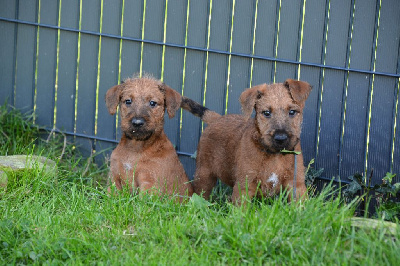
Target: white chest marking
(273,179)
(127,166)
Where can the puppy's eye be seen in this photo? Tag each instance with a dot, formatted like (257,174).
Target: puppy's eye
(292,112)
(128,102)
(153,104)
(267,113)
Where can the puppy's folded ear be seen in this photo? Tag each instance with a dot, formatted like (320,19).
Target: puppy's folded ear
(113,97)
(249,97)
(172,99)
(299,90)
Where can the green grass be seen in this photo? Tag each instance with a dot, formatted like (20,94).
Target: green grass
(17,134)
(70,219)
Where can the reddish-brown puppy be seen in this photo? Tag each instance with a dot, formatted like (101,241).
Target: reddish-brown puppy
(145,158)
(244,152)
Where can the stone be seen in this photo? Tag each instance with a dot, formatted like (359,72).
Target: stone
(373,224)
(17,163)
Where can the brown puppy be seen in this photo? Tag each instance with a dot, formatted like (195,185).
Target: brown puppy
(145,158)
(244,152)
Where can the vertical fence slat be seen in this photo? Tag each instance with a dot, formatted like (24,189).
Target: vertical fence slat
(356,117)
(66,92)
(242,42)
(26,56)
(395,160)
(7,52)
(153,30)
(333,84)
(264,42)
(130,56)
(47,61)
(382,112)
(174,60)
(109,68)
(217,63)
(396,144)
(7,9)
(89,46)
(396,148)
(197,36)
(311,51)
(289,24)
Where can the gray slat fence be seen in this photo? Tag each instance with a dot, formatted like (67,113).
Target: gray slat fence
(59,57)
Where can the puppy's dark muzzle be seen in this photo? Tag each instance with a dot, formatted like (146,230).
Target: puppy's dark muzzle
(281,140)
(139,130)
(138,122)
(280,137)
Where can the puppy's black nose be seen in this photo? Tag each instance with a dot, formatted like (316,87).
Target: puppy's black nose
(280,137)
(137,122)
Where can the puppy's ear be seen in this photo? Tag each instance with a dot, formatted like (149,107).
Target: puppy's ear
(299,90)
(113,97)
(172,99)
(249,97)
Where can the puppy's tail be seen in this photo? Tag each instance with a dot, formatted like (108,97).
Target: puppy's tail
(199,110)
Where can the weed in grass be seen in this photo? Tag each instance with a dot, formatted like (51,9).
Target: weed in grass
(384,194)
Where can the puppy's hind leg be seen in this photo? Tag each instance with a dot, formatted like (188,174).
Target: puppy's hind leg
(204,182)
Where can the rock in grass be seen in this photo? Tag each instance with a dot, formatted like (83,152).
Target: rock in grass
(19,163)
(373,224)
